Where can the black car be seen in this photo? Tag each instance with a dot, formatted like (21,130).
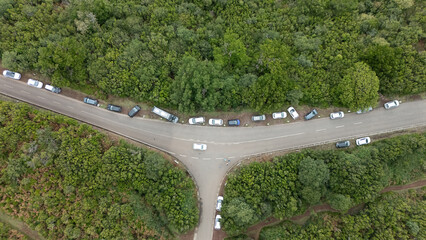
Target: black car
(91,101)
(311,114)
(234,122)
(343,144)
(114,108)
(134,111)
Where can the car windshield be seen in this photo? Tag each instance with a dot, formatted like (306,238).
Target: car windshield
(10,74)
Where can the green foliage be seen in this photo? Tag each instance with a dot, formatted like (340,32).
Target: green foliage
(69,181)
(392,216)
(6,232)
(291,183)
(398,69)
(293,52)
(314,175)
(340,202)
(202,86)
(359,87)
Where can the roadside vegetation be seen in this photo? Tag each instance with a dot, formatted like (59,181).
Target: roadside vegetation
(391,216)
(222,55)
(289,184)
(6,232)
(68,181)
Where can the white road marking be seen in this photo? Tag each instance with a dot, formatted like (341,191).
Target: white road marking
(194,157)
(182,155)
(357,123)
(25,92)
(320,130)
(231,157)
(340,126)
(41,97)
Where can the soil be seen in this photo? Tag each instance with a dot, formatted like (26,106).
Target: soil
(20,226)
(254,230)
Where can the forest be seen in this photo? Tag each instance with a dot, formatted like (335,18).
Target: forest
(391,216)
(207,55)
(69,181)
(291,183)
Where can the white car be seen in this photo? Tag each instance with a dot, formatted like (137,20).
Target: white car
(215,122)
(219,203)
(293,112)
(10,74)
(337,115)
(279,115)
(196,120)
(52,88)
(199,146)
(363,141)
(34,83)
(391,104)
(217,222)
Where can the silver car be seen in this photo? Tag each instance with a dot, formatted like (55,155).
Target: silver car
(258,118)
(279,115)
(365,110)
(337,115)
(10,74)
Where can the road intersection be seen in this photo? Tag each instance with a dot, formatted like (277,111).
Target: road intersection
(227,146)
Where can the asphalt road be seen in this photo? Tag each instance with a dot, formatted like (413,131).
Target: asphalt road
(234,143)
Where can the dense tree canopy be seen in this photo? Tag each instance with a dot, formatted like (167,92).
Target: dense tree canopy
(69,181)
(392,216)
(257,54)
(291,183)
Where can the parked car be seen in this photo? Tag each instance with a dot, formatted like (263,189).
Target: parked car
(196,120)
(34,83)
(215,122)
(134,111)
(365,110)
(343,144)
(258,118)
(234,122)
(217,222)
(279,115)
(91,101)
(391,104)
(363,141)
(219,203)
(52,88)
(10,74)
(293,112)
(311,114)
(114,108)
(337,115)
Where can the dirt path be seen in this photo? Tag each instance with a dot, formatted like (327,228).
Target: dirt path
(254,231)
(20,226)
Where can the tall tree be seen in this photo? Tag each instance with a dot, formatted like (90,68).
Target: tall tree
(359,87)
